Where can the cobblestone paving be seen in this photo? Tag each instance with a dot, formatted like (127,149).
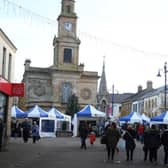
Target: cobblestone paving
(65,152)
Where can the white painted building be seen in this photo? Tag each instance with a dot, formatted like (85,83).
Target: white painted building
(154,104)
(7,59)
(151,103)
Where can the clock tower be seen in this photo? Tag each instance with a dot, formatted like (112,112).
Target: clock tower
(66,45)
(53,86)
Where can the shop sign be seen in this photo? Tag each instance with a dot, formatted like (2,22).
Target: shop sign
(17,89)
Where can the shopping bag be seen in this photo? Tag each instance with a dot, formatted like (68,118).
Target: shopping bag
(121,143)
(103,139)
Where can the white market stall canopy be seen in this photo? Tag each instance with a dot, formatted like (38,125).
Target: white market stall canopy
(36,112)
(145,118)
(161,119)
(17,113)
(66,117)
(133,117)
(90,111)
(49,122)
(54,113)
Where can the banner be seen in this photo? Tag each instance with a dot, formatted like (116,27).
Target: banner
(17,89)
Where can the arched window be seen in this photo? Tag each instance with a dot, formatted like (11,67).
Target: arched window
(103,106)
(66,91)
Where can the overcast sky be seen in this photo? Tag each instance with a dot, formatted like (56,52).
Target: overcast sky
(131,34)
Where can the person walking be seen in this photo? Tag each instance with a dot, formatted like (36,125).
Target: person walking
(92,137)
(113,136)
(154,143)
(26,128)
(164,141)
(146,144)
(18,127)
(140,133)
(1,133)
(83,133)
(35,132)
(129,137)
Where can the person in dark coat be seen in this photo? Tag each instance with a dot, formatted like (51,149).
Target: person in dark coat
(13,128)
(113,136)
(83,133)
(26,128)
(129,137)
(18,126)
(35,132)
(146,144)
(154,143)
(1,133)
(164,141)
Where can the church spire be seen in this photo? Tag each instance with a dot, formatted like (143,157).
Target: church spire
(103,83)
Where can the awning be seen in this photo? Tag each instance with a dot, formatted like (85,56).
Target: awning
(11,89)
(5,86)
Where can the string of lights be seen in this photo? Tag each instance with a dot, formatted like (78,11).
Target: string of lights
(130,48)
(9,7)
(12,8)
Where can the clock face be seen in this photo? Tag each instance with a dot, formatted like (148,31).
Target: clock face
(68,26)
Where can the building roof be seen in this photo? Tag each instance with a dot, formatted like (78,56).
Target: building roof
(139,95)
(119,98)
(6,37)
(155,92)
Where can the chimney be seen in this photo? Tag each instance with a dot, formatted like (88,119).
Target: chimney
(139,88)
(149,85)
(27,64)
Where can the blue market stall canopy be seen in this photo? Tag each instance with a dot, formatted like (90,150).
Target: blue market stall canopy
(145,118)
(36,112)
(17,113)
(161,119)
(90,111)
(133,117)
(54,113)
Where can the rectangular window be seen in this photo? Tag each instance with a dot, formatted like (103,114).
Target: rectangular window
(67,55)
(135,107)
(9,66)
(4,62)
(68,9)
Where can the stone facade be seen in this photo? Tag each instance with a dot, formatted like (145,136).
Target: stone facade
(52,86)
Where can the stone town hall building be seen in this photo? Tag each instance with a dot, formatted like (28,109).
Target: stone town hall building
(52,86)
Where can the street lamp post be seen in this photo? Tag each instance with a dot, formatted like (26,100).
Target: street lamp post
(165,73)
(112,101)
(165,87)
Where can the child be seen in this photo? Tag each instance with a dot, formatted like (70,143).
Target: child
(92,137)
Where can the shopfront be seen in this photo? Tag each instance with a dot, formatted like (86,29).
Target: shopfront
(7,91)
(3,106)
(3,117)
